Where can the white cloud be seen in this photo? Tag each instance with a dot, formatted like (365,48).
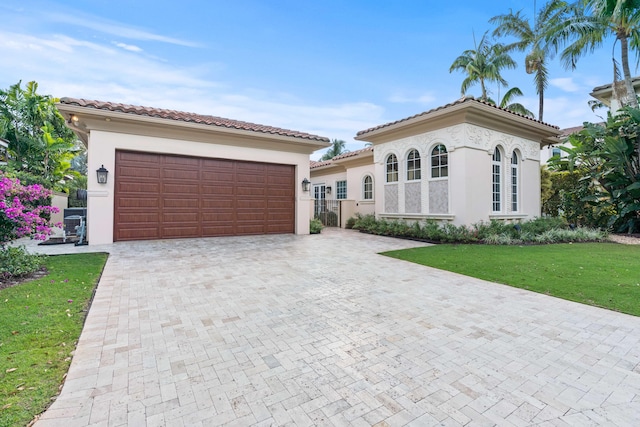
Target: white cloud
(129,47)
(566,84)
(66,66)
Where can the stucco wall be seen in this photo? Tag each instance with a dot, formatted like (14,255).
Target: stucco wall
(102,148)
(470,150)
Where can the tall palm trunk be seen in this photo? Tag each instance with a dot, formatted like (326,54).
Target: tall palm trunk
(631,93)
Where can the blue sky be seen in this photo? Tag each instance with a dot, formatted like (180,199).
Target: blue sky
(326,67)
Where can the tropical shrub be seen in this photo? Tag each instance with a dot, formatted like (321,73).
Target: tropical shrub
(17,262)
(315,226)
(24,210)
(607,164)
(538,230)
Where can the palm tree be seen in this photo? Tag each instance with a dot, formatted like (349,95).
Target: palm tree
(337,148)
(532,39)
(516,107)
(483,64)
(593,21)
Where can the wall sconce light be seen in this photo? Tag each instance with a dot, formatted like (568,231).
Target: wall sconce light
(305,184)
(73,119)
(102,174)
(328,189)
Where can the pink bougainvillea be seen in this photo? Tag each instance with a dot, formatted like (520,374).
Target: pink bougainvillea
(23,210)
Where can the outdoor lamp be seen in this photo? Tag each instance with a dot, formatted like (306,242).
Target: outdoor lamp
(102,175)
(328,189)
(305,184)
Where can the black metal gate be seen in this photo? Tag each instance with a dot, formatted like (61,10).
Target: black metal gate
(328,212)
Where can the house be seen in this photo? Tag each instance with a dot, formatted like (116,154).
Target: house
(605,93)
(348,179)
(170,174)
(464,162)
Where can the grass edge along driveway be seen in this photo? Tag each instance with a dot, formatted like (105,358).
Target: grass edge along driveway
(604,275)
(41,323)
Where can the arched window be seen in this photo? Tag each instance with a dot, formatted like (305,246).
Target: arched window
(413,165)
(515,166)
(439,162)
(367,188)
(392,168)
(497,180)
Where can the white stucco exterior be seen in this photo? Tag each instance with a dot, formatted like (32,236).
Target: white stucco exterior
(470,131)
(104,132)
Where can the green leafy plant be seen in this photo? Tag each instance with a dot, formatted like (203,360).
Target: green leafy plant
(17,262)
(315,226)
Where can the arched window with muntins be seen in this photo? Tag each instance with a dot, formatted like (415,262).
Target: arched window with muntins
(413,165)
(496,175)
(515,172)
(439,162)
(392,168)
(367,188)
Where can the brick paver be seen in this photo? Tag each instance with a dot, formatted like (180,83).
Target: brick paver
(320,330)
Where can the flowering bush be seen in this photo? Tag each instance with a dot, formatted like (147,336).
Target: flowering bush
(24,210)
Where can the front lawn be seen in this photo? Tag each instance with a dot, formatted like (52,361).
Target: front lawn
(602,274)
(41,323)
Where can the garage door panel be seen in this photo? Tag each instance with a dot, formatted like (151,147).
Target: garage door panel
(138,202)
(178,217)
(180,203)
(219,217)
(139,158)
(217,190)
(192,175)
(138,217)
(217,204)
(169,196)
(139,233)
(250,191)
(217,177)
(138,187)
(174,232)
(221,164)
(182,188)
(138,172)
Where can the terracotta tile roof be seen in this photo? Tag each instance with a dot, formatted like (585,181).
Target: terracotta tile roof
(314,164)
(353,153)
(189,117)
(570,131)
(457,102)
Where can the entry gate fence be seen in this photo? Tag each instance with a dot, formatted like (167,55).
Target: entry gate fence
(328,212)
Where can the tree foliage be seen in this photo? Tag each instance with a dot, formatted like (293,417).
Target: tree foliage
(39,141)
(337,148)
(586,27)
(483,65)
(532,39)
(605,168)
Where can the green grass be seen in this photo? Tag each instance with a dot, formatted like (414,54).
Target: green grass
(601,274)
(41,323)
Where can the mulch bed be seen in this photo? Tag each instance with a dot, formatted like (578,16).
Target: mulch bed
(13,281)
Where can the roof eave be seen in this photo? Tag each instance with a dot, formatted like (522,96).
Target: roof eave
(85,114)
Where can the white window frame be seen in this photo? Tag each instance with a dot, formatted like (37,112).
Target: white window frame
(391,168)
(413,165)
(515,181)
(341,190)
(439,169)
(496,180)
(364,187)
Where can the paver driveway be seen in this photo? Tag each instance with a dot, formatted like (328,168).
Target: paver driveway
(319,330)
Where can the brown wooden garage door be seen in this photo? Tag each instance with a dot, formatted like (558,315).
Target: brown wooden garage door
(159,196)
